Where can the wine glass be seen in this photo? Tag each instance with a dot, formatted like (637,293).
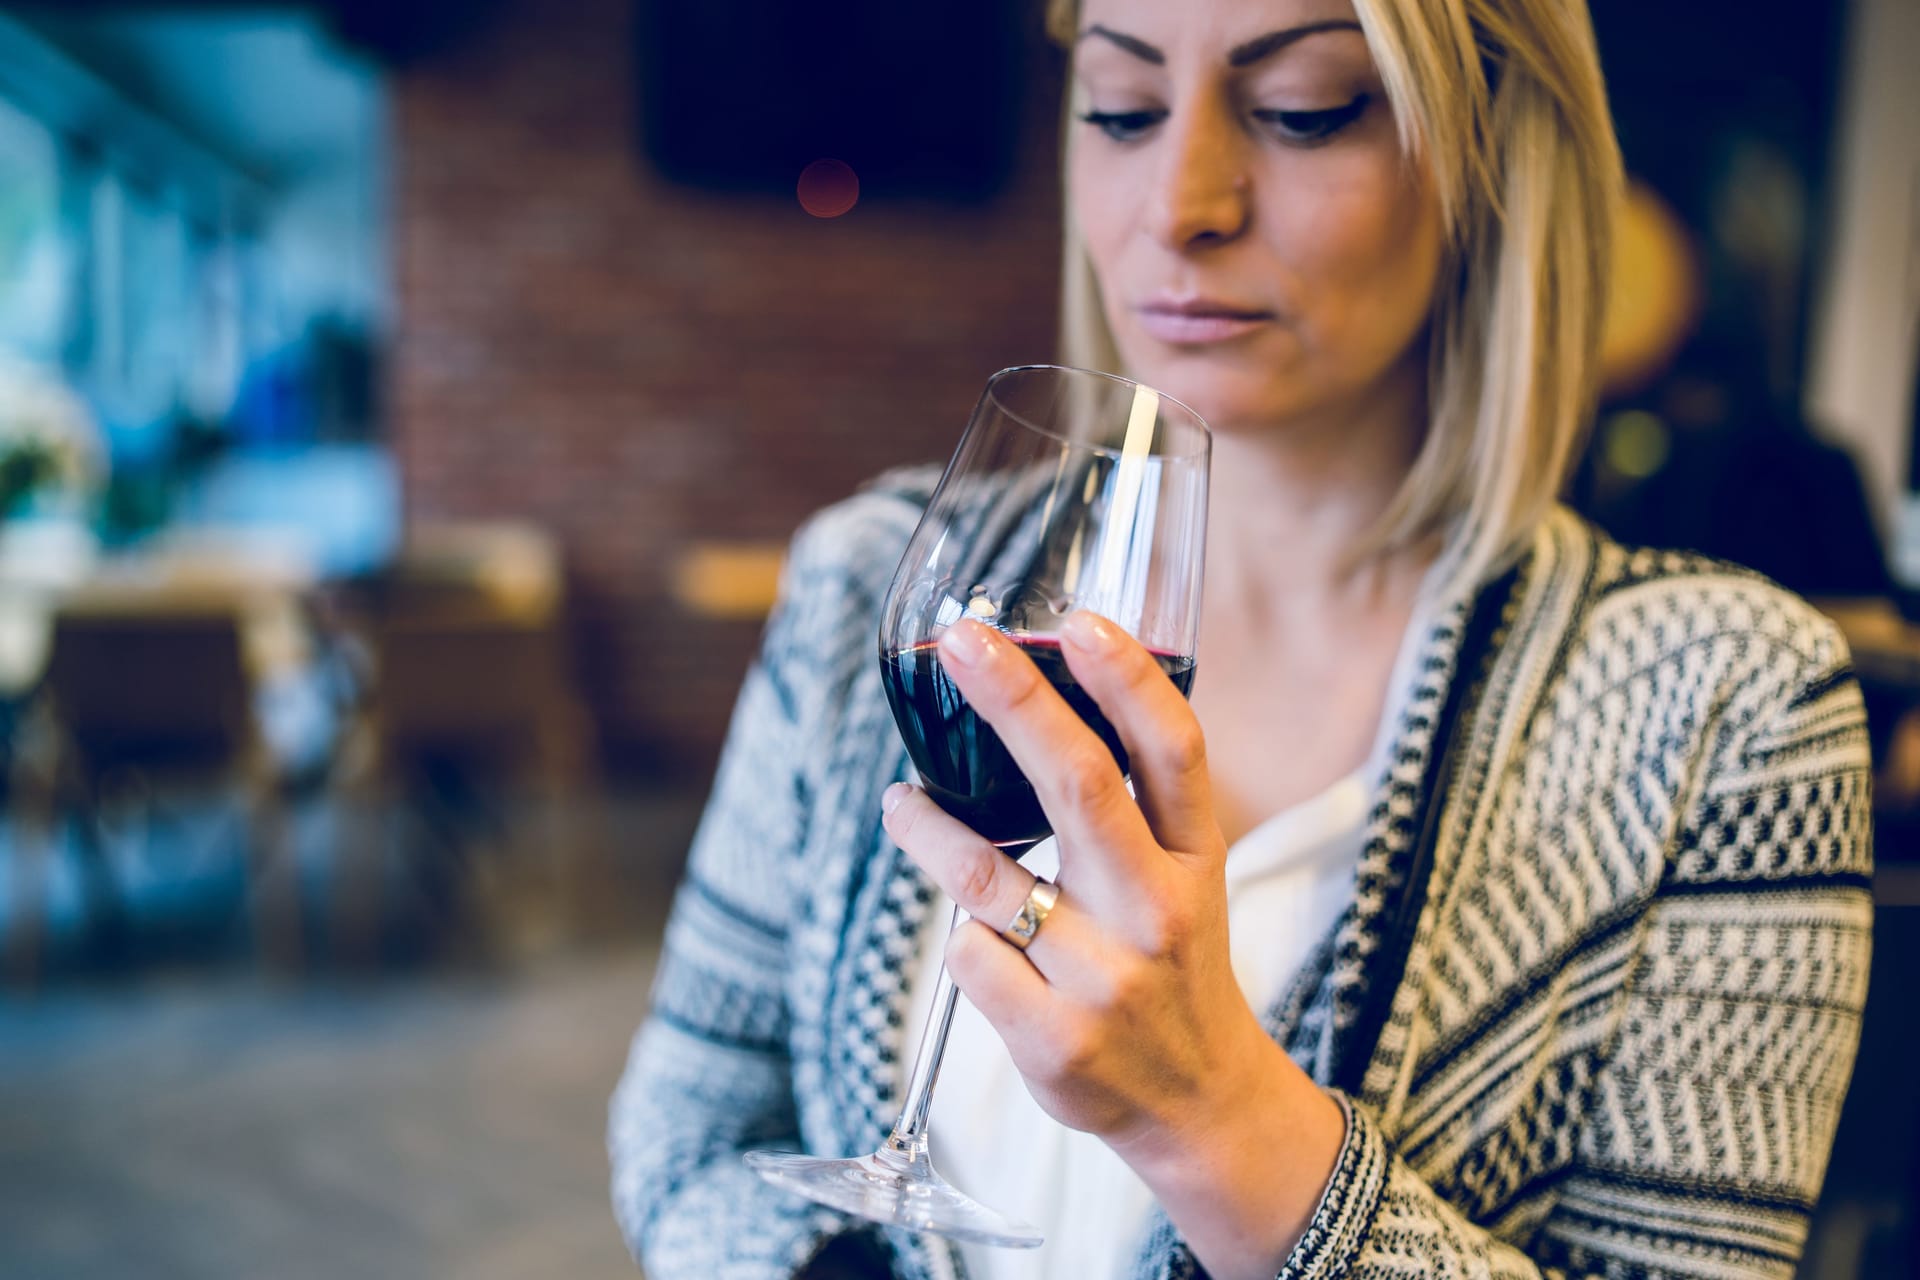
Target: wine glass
(1070,490)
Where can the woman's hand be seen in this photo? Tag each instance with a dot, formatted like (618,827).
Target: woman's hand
(1124,1013)
(1124,1016)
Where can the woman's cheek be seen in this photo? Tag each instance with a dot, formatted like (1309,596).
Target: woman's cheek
(1337,231)
(1366,261)
(1094,192)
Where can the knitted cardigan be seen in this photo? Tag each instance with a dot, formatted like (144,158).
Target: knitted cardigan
(1593,1012)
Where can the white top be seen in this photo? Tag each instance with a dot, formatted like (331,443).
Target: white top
(1288,880)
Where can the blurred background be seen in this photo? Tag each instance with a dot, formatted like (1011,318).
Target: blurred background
(403,407)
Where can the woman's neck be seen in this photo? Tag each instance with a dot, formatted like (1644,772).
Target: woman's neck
(1296,630)
(1290,505)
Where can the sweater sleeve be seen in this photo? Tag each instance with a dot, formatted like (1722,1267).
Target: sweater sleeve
(1700,1143)
(709,1074)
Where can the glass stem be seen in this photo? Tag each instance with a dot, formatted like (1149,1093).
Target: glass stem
(905,1149)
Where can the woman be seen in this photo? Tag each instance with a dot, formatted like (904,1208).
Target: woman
(1498,906)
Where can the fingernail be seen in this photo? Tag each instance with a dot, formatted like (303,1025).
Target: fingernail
(1088,632)
(965,642)
(890,798)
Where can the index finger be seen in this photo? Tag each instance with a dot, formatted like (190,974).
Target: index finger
(1072,769)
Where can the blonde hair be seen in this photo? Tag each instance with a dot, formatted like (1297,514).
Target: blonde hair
(1504,101)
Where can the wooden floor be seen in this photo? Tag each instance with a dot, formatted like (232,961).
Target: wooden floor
(438,1126)
(434,1110)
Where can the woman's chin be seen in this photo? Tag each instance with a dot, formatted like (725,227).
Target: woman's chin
(1228,409)
(1235,391)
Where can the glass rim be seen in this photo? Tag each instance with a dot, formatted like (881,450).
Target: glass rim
(1204,449)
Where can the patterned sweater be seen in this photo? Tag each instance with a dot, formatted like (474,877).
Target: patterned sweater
(1592,1009)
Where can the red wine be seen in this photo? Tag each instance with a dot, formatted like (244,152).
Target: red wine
(962,762)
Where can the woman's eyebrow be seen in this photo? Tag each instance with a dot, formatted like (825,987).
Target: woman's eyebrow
(1241,55)
(1132,44)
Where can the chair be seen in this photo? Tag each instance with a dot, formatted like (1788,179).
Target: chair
(162,692)
(472,700)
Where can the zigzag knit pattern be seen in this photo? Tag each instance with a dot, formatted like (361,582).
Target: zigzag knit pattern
(1628,1010)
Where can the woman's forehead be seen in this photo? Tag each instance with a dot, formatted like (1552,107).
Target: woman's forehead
(1211,16)
(1236,32)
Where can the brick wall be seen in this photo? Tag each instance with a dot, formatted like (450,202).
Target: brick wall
(639,367)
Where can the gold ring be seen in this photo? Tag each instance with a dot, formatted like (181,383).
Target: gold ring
(1033,913)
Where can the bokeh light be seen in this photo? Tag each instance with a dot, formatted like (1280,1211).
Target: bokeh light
(828,188)
(1636,444)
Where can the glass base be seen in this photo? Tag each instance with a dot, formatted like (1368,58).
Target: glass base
(913,1197)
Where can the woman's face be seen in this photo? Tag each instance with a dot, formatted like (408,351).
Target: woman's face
(1265,249)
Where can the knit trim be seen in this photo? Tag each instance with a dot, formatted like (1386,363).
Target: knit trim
(1348,1207)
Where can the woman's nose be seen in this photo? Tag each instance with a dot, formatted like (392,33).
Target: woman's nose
(1203,195)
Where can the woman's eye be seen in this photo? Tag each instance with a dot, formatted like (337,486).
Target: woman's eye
(1124,126)
(1312,126)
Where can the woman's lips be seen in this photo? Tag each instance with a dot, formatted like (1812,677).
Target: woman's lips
(1202,321)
